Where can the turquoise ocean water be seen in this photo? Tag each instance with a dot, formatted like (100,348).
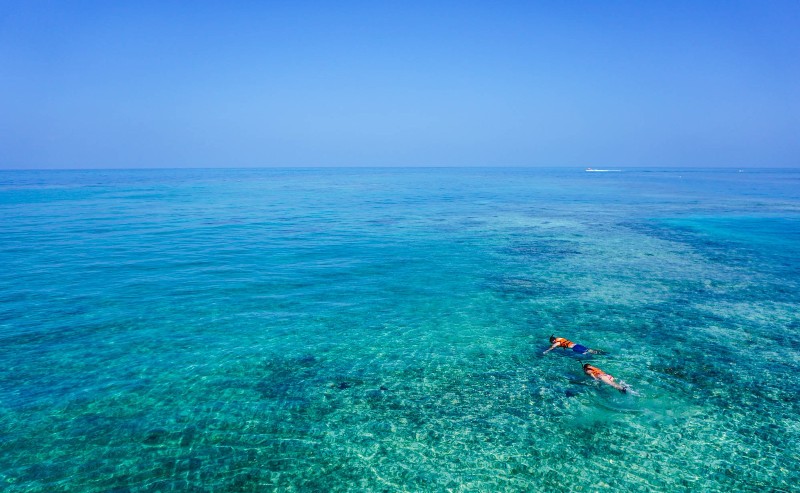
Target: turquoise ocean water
(382,330)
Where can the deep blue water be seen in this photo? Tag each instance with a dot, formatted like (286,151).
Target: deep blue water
(382,330)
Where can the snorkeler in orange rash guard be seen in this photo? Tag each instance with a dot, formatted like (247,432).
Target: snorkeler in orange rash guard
(567,344)
(604,377)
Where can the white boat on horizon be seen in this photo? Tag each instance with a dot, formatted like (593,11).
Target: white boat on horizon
(602,170)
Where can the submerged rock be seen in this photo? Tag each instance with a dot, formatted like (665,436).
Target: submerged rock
(155,436)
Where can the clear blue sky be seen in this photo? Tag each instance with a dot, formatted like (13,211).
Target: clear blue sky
(562,83)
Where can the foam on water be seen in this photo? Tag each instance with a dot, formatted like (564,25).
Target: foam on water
(362,330)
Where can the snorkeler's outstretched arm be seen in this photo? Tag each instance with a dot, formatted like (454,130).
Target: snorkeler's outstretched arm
(551,348)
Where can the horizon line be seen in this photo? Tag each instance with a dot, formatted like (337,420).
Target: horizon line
(596,166)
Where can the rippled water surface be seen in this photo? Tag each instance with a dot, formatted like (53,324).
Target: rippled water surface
(383,329)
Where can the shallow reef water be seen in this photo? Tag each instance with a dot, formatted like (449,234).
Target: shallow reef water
(382,330)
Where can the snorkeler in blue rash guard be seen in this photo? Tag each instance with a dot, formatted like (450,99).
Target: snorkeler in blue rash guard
(567,344)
